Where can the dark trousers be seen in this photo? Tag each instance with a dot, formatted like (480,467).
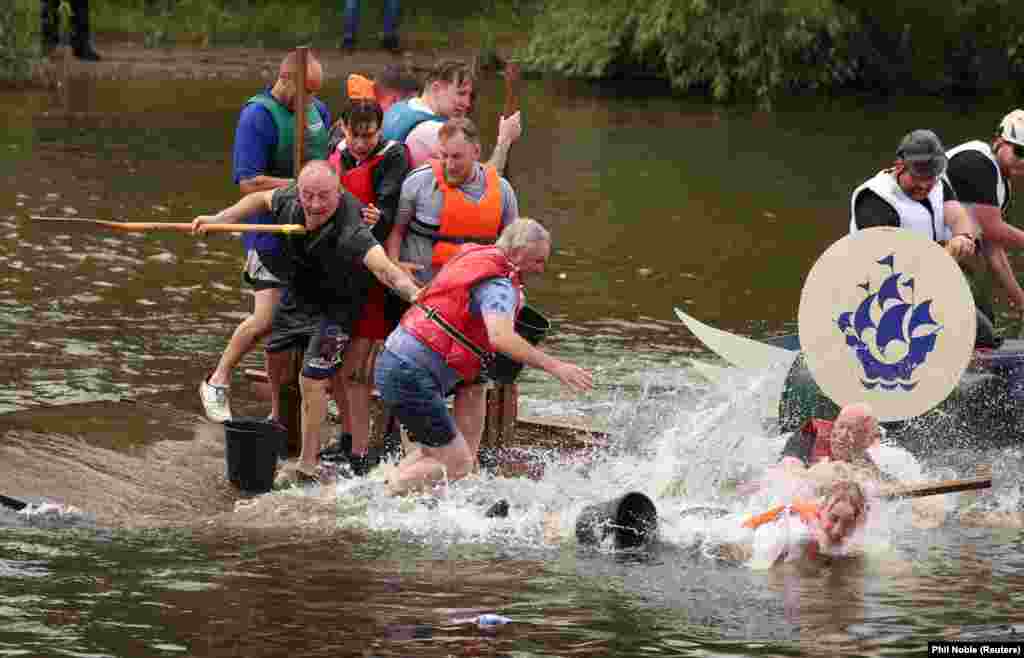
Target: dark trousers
(50,24)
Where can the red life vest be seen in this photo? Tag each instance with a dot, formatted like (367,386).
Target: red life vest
(821,431)
(359,179)
(462,220)
(449,294)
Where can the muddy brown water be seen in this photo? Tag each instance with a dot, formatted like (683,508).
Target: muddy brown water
(654,202)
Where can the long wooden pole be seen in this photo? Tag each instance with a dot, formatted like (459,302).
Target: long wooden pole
(511,99)
(181,227)
(300,108)
(934,488)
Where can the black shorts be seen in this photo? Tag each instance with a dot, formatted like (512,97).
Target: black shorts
(322,340)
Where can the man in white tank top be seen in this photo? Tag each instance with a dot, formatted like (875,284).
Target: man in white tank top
(914,194)
(981,173)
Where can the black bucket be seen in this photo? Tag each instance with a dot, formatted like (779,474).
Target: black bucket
(251,449)
(531,325)
(632,520)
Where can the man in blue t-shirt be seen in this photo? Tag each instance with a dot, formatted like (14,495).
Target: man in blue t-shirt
(263,160)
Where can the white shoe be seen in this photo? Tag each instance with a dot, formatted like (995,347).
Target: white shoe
(215,401)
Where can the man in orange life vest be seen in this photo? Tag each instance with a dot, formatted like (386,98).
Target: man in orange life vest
(373,171)
(444,204)
(473,302)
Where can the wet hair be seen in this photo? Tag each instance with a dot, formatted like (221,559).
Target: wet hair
(463,126)
(849,492)
(521,233)
(450,70)
(362,112)
(400,79)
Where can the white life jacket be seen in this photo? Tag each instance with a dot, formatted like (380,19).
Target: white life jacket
(913,214)
(1003,191)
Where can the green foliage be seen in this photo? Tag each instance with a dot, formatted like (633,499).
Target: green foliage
(763,49)
(18,50)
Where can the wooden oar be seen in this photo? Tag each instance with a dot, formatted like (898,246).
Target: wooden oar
(934,488)
(13,503)
(511,98)
(182,227)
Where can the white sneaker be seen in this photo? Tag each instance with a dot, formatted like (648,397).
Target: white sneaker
(215,401)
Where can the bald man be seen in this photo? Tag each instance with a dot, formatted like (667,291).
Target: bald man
(329,275)
(263,160)
(846,439)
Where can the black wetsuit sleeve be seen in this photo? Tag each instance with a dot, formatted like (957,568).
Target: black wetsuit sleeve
(974,178)
(871,210)
(387,182)
(799,445)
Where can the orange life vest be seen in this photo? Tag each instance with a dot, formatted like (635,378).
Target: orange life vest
(448,293)
(462,220)
(808,514)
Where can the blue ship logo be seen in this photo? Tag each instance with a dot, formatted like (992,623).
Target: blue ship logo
(890,335)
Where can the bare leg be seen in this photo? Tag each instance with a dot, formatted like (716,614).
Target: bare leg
(357,392)
(314,410)
(470,408)
(279,371)
(453,460)
(250,330)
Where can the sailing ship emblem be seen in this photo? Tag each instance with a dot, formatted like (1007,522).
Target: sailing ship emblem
(890,334)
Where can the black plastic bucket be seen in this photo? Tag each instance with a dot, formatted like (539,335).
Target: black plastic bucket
(531,325)
(251,449)
(631,519)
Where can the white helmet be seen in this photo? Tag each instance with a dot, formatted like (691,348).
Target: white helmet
(1011,128)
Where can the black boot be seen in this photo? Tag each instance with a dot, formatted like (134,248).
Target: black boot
(48,29)
(80,41)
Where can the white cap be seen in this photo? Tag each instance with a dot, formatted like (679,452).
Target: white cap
(1011,128)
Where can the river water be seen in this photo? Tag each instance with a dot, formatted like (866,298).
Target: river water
(654,202)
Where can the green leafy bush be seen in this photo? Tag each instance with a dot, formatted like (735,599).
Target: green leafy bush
(765,48)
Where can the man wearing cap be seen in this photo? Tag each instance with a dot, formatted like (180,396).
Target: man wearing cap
(913,194)
(394,85)
(980,173)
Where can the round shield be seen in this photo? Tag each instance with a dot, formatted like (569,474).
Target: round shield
(886,318)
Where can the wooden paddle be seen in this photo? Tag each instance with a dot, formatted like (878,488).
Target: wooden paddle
(182,227)
(511,98)
(13,503)
(934,488)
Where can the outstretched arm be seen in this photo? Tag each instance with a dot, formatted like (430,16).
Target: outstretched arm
(501,331)
(391,275)
(248,206)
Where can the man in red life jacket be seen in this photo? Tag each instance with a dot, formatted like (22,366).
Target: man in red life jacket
(473,302)
(443,205)
(847,439)
(373,171)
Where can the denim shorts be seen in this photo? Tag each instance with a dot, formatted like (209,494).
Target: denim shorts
(414,395)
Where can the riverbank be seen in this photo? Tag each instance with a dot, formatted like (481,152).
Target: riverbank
(125,57)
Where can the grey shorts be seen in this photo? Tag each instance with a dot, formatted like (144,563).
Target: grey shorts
(322,340)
